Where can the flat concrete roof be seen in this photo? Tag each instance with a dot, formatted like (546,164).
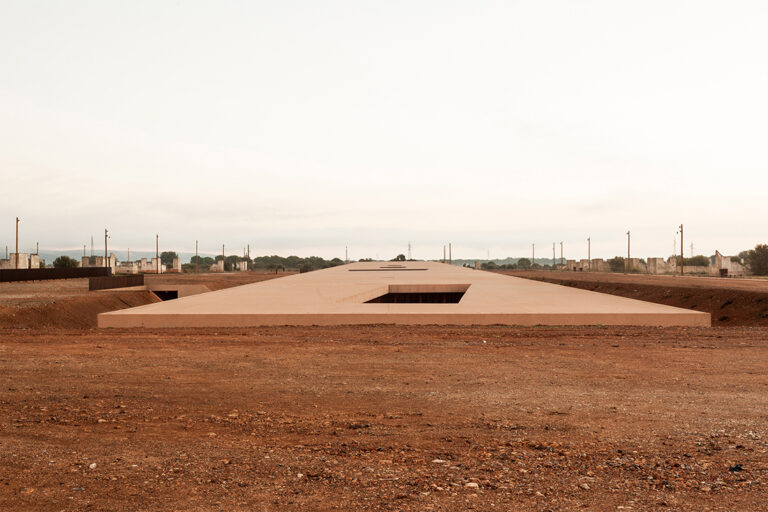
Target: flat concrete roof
(337,296)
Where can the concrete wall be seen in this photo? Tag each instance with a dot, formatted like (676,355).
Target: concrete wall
(23,259)
(661,266)
(156,266)
(637,265)
(732,268)
(242,266)
(100,262)
(127,267)
(600,265)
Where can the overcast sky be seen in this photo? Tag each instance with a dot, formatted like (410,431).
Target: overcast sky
(302,127)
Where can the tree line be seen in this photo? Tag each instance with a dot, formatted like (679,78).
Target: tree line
(755,259)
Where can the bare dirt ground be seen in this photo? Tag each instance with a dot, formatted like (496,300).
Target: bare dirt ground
(384,418)
(730,301)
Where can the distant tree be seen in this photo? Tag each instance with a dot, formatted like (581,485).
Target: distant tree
(524,263)
(744,256)
(399,257)
(166,257)
(202,261)
(365,259)
(489,265)
(696,261)
(757,260)
(64,262)
(617,264)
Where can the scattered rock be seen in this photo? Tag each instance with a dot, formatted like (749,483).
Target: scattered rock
(472,485)
(438,461)
(92,465)
(584,486)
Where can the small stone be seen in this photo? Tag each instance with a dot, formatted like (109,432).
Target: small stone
(438,461)
(299,475)
(472,485)
(92,465)
(584,486)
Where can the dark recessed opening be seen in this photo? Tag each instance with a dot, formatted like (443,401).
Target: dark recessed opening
(382,269)
(421,294)
(166,294)
(419,298)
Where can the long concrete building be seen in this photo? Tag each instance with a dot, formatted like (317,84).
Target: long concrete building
(400,293)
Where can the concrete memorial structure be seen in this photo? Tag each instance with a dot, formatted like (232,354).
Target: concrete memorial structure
(400,293)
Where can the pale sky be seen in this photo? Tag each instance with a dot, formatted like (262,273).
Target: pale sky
(300,127)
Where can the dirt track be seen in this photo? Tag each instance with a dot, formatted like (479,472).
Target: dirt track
(731,302)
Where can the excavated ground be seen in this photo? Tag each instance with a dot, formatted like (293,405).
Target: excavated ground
(730,301)
(68,303)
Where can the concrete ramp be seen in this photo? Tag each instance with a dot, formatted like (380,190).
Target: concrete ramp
(407,293)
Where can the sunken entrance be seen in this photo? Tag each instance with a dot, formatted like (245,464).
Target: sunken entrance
(422,294)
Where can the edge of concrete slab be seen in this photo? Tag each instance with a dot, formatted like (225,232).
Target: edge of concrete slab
(684,319)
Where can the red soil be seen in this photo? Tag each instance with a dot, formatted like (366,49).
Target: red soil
(729,301)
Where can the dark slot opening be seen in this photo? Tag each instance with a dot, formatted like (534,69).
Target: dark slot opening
(167,294)
(419,298)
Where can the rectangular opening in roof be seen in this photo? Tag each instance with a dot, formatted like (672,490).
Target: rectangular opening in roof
(383,269)
(422,294)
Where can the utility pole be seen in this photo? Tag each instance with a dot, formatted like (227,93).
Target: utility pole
(691,249)
(554,260)
(197,258)
(628,265)
(91,246)
(157,253)
(346,254)
(589,254)
(450,254)
(443,254)
(533,254)
(106,235)
(37,248)
(682,271)
(83,250)
(224,258)
(562,259)
(409,250)
(17,242)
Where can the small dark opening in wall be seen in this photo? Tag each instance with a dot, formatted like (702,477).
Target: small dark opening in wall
(167,294)
(418,298)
